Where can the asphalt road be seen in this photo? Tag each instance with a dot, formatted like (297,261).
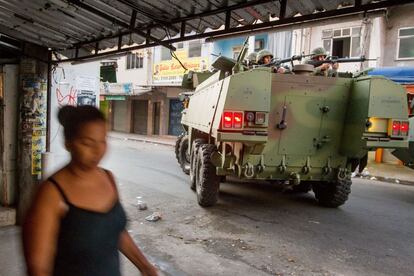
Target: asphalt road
(256,229)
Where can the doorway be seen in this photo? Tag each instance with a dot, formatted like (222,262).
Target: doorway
(157,117)
(140,117)
(174,126)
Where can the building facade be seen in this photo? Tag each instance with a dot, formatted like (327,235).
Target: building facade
(141,94)
(143,97)
(386,37)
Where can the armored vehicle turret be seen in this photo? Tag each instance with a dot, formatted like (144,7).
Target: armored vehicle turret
(308,131)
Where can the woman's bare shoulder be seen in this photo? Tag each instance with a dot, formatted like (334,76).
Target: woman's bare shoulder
(49,191)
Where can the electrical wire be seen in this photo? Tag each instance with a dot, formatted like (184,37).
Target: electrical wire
(172,53)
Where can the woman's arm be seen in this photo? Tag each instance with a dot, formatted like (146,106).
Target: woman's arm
(40,231)
(128,247)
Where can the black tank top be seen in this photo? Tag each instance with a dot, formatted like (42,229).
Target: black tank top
(88,240)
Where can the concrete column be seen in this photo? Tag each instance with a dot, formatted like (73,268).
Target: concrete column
(9,85)
(150,122)
(130,123)
(164,115)
(31,129)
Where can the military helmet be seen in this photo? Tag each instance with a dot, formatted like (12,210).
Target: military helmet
(261,54)
(320,51)
(252,57)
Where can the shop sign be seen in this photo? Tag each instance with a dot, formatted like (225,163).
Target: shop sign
(115,98)
(116,88)
(171,71)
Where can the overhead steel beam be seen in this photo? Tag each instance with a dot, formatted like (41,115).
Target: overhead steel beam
(357,8)
(182,31)
(283,5)
(139,9)
(228,19)
(268,25)
(186,18)
(221,10)
(115,20)
(133,20)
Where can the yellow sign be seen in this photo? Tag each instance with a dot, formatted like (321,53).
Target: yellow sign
(172,71)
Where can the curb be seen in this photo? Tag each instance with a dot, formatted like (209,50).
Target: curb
(142,140)
(386,179)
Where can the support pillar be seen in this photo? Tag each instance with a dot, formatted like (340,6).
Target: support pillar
(31,130)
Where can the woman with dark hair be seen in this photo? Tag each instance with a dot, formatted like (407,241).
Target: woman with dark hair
(76,224)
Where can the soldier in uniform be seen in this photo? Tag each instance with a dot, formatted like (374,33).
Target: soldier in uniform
(251,59)
(265,57)
(326,69)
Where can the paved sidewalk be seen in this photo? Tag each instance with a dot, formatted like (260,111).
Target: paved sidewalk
(391,173)
(154,139)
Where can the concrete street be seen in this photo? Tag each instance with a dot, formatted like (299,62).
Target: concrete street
(256,229)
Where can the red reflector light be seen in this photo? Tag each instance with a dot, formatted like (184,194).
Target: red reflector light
(238,120)
(228,119)
(396,126)
(404,128)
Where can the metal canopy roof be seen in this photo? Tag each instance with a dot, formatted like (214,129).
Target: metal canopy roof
(86,27)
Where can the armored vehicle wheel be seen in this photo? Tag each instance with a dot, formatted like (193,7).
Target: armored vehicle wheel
(207,182)
(332,194)
(183,156)
(193,156)
(177,146)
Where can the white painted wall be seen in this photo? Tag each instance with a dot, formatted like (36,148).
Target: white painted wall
(64,81)
(377,40)
(306,39)
(138,76)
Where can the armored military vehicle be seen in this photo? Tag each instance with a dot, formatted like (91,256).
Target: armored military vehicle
(307,131)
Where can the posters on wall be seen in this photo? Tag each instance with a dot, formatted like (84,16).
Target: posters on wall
(86,87)
(34,118)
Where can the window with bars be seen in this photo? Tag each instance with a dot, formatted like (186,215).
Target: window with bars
(194,49)
(165,53)
(405,43)
(343,43)
(135,61)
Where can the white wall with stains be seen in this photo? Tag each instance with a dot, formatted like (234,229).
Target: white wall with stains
(65,92)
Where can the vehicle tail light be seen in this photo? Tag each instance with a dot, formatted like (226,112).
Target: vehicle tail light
(396,125)
(238,120)
(404,129)
(228,119)
(260,118)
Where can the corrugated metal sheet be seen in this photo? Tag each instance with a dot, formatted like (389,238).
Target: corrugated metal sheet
(61,24)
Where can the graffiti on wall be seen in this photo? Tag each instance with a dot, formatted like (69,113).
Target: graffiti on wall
(79,90)
(66,96)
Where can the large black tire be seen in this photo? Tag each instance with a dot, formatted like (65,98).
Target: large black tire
(207,181)
(183,156)
(332,194)
(177,146)
(196,144)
